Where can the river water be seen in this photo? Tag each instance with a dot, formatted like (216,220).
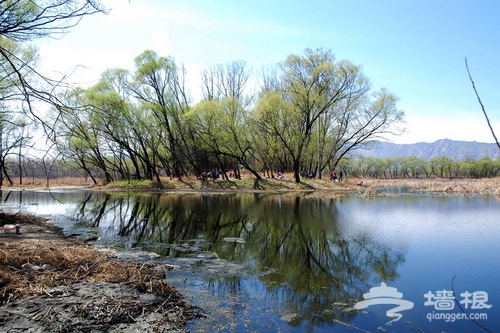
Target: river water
(286,263)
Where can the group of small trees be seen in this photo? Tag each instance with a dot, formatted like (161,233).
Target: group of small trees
(309,112)
(414,167)
(306,113)
(360,167)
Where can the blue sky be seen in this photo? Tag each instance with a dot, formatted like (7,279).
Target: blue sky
(416,49)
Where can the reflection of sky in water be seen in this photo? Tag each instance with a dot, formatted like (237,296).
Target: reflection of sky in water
(445,237)
(47,204)
(47,210)
(447,228)
(422,219)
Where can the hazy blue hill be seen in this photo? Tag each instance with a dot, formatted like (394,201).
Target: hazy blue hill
(456,150)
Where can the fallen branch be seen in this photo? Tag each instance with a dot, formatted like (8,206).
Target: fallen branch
(350,326)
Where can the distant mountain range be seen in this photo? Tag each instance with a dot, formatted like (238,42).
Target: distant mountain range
(456,150)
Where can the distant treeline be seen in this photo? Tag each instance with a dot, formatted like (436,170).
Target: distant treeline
(414,167)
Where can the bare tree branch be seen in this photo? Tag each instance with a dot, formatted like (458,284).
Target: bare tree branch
(481,103)
(27,20)
(23,21)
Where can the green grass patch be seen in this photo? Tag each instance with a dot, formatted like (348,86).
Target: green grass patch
(134,183)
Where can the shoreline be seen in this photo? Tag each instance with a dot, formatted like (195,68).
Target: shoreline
(52,282)
(324,188)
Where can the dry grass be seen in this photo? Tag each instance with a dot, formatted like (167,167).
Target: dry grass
(486,186)
(64,261)
(66,264)
(39,258)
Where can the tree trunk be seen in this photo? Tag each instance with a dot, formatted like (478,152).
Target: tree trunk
(296,171)
(255,173)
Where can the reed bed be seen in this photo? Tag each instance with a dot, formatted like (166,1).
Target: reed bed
(29,268)
(484,186)
(97,292)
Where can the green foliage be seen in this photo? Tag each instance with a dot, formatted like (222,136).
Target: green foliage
(141,125)
(21,85)
(414,167)
(134,184)
(134,126)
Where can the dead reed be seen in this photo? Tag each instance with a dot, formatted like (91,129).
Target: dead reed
(29,268)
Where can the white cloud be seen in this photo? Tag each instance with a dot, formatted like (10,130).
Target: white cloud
(454,127)
(161,43)
(84,64)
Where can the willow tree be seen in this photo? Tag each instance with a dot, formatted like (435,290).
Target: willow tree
(320,109)
(78,135)
(159,86)
(225,81)
(23,22)
(225,85)
(222,128)
(12,112)
(310,87)
(124,126)
(374,116)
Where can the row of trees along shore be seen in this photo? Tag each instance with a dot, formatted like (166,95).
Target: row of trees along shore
(32,170)
(414,167)
(304,115)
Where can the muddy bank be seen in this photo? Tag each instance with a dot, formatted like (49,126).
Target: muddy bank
(50,283)
(93,307)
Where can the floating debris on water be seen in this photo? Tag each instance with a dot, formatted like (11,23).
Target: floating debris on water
(234,240)
(289,317)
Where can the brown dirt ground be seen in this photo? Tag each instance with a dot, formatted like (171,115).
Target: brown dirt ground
(79,288)
(311,187)
(329,189)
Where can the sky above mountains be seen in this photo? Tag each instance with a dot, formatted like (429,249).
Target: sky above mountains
(416,49)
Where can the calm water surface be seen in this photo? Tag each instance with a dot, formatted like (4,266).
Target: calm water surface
(291,264)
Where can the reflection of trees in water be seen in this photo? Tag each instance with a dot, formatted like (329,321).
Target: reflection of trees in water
(91,210)
(155,221)
(145,219)
(309,263)
(316,265)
